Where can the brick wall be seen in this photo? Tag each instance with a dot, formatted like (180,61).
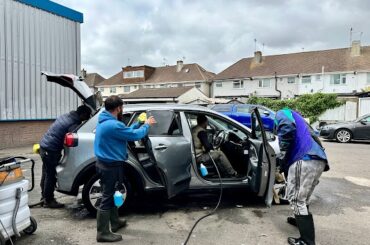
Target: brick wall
(22,133)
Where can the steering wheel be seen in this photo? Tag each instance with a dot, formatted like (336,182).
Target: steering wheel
(219,138)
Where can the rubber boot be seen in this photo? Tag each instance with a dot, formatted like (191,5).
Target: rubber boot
(102,225)
(115,222)
(306,229)
(291,219)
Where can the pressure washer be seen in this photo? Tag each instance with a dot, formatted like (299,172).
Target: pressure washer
(15,214)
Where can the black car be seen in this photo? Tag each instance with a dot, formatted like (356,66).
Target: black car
(346,131)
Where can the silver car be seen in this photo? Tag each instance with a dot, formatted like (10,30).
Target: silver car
(165,160)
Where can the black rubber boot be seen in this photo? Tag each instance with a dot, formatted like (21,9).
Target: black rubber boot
(115,222)
(306,229)
(52,204)
(291,219)
(102,225)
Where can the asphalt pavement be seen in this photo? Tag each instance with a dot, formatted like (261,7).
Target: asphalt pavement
(341,208)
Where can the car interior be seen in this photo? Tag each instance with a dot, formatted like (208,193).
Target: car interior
(227,138)
(224,136)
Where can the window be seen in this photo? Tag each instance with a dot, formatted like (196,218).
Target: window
(126,89)
(135,87)
(162,85)
(222,107)
(198,85)
(264,83)
(238,84)
(244,108)
(101,90)
(318,77)
(133,74)
(168,123)
(219,84)
(306,79)
(291,80)
(338,79)
(112,90)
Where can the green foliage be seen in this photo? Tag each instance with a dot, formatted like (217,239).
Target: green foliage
(309,105)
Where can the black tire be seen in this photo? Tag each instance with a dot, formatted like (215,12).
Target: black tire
(93,186)
(32,228)
(343,135)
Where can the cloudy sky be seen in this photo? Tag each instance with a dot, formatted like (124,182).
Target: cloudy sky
(212,33)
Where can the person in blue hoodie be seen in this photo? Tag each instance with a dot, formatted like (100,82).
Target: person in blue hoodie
(303,159)
(110,148)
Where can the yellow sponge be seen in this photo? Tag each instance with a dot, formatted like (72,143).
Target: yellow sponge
(36,148)
(142,117)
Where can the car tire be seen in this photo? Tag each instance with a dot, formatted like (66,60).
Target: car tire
(91,194)
(343,135)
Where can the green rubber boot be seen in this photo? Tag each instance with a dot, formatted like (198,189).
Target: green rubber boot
(102,225)
(115,222)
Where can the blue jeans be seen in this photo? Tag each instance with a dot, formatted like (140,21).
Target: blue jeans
(109,174)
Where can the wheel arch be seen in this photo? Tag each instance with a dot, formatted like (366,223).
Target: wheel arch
(341,128)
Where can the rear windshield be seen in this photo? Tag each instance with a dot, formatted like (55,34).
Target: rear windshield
(222,108)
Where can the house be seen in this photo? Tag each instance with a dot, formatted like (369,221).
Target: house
(341,71)
(92,79)
(131,78)
(183,95)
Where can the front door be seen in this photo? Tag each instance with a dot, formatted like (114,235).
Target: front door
(362,130)
(171,150)
(262,160)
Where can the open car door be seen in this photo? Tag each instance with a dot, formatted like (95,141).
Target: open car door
(262,160)
(171,151)
(76,84)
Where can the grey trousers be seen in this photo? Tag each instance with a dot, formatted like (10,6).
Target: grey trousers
(303,177)
(221,160)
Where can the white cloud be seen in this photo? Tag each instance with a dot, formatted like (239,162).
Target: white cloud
(214,34)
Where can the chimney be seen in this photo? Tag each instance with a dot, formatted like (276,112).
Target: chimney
(356,48)
(180,65)
(83,73)
(258,57)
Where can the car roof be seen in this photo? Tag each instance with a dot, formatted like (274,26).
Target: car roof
(135,107)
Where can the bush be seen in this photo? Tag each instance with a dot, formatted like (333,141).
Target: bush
(309,105)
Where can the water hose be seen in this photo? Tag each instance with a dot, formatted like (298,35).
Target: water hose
(18,200)
(214,210)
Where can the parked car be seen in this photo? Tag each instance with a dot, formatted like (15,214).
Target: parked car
(242,113)
(165,160)
(346,131)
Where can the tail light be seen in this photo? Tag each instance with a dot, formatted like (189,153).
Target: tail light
(70,140)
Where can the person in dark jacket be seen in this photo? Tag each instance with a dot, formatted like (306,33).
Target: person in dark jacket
(110,148)
(51,146)
(303,158)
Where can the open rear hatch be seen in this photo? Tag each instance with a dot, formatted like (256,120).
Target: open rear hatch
(77,85)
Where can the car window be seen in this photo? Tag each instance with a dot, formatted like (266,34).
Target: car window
(367,119)
(222,108)
(168,123)
(126,116)
(244,109)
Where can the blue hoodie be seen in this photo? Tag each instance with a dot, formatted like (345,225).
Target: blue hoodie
(111,138)
(296,138)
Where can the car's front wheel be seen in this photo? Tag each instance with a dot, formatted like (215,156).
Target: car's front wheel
(92,193)
(343,135)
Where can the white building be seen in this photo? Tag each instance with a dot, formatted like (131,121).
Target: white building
(131,78)
(342,71)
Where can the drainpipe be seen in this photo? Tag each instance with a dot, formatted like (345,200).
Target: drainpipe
(277,90)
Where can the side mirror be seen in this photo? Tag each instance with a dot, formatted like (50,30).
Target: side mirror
(363,122)
(266,113)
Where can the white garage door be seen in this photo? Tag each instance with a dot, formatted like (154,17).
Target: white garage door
(364,106)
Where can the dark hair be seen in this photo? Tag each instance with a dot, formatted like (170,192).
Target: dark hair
(83,110)
(112,102)
(201,119)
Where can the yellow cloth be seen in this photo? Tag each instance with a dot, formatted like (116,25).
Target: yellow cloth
(142,117)
(36,148)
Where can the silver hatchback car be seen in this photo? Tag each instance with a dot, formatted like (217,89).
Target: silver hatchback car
(165,160)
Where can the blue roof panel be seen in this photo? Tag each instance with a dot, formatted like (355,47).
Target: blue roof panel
(55,8)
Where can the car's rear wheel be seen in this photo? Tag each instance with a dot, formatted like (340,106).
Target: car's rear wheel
(92,193)
(343,135)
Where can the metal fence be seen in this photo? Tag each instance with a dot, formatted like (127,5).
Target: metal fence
(31,41)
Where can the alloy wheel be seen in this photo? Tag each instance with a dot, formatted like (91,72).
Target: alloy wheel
(343,136)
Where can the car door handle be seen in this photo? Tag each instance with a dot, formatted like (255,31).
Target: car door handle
(160,147)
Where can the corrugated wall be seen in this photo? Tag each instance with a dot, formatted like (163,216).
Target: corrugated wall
(31,41)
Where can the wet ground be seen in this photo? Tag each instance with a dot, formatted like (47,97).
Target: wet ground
(341,205)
